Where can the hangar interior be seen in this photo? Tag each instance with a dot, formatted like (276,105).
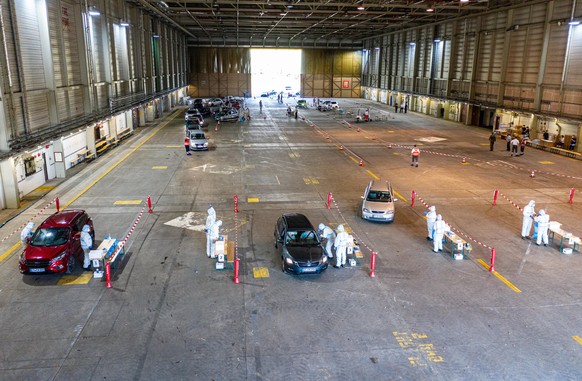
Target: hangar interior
(79,76)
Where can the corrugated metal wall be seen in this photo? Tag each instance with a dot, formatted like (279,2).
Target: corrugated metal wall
(525,57)
(226,71)
(60,65)
(219,72)
(333,73)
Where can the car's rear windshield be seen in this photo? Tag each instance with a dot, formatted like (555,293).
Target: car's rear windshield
(197,136)
(301,237)
(50,237)
(379,196)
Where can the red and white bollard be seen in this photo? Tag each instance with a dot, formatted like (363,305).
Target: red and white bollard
(373,265)
(571,196)
(236,270)
(236,203)
(361,163)
(58,203)
(329,196)
(150,204)
(217,126)
(464,160)
(108,274)
(492,268)
(413,196)
(533,174)
(495,194)
(341,148)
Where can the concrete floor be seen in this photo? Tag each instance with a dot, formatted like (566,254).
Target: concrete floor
(424,316)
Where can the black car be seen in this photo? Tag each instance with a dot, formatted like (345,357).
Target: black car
(299,246)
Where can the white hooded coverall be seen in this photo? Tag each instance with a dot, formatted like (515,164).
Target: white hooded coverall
(430,219)
(341,246)
(328,235)
(214,233)
(210,220)
(86,244)
(439,231)
(543,221)
(528,213)
(26,232)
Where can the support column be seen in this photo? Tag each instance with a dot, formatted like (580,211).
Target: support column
(10,192)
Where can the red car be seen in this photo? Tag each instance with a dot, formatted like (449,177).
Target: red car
(56,246)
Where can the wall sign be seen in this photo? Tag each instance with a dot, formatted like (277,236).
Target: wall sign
(345,84)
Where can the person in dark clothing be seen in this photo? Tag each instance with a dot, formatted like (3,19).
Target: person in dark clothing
(492,139)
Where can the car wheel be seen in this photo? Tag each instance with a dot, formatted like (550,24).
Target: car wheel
(71,264)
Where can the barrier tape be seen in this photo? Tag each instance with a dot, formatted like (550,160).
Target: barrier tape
(337,143)
(359,240)
(120,246)
(31,218)
(465,158)
(511,202)
(457,230)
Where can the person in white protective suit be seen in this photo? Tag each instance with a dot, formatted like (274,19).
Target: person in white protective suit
(214,233)
(528,215)
(439,231)
(341,246)
(543,221)
(430,219)
(327,233)
(210,220)
(86,244)
(26,232)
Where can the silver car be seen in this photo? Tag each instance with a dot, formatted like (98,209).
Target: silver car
(198,141)
(378,202)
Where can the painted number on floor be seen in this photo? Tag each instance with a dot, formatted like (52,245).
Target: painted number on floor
(416,346)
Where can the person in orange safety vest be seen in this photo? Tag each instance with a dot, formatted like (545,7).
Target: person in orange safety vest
(415,154)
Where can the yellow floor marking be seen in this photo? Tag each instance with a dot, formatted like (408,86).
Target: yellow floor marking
(464,163)
(45,188)
(9,251)
(499,276)
(546,162)
(174,146)
(578,339)
(307,180)
(260,272)
(74,279)
(160,167)
(400,196)
(127,202)
(314,181)
(247,146)
(294,155)
(390,131)
(373,175)
(151,135)
(252,199)
(484,144)
(398,154)
(355,160)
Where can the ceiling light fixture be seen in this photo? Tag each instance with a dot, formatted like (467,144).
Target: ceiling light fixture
(430,8)
(361,7)
(574,22)
(94,11)
(124,24)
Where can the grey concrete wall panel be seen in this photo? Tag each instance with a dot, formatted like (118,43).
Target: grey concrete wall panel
(30,45)
(555,60)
